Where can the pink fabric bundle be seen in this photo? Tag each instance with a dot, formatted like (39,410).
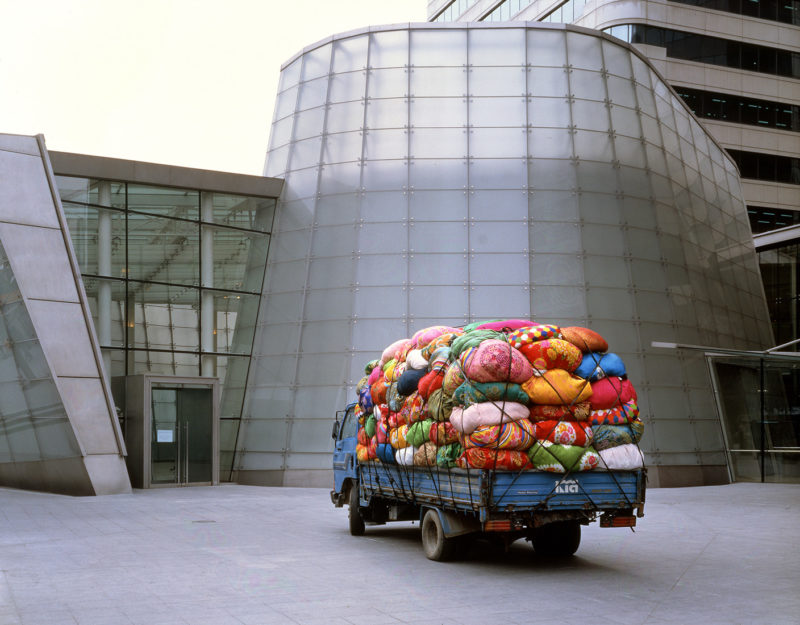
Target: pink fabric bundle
(499,326)
(422,337)
(611,391)
(495,361)
(391,351)
(465,420)
(376,373)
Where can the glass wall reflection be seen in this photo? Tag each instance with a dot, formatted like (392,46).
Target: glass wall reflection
(173,278)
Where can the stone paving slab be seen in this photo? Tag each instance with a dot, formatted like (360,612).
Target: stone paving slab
(246,555)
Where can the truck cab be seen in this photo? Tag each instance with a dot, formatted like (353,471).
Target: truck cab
(345,465)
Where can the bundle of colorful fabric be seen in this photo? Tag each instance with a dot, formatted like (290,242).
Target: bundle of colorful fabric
(500,395)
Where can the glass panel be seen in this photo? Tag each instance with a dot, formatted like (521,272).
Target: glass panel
(251,213)
(312,94)
(183,203)
(389,49)
(163,363)
(234,321)
(497,81)
(548,82)
(164,437)
(196,412)
(163,250)
(165,317)
(388,83)
(438,112)
(350,54)
(439,47)
(316,63)
(33,422)
(238,259)
(88,191)
(498,112)
(438,81)
(497,46)
(88,226)
(547,48)
(549,112)
(587,84)
(346,87)
(107,298)
(387,113)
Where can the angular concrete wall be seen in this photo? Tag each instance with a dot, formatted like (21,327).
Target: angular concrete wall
(58,428)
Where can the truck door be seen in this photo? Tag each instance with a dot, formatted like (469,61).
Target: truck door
(344,452)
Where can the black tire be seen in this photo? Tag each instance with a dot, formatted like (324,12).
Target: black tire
(356,520)
(557,540)
(436,545)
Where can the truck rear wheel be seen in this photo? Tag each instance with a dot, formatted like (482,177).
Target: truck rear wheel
(559,539)
(356,520)
(436,545)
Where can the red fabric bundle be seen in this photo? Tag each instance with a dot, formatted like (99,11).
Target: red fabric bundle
(563,432)
(575,412)
(610,392)
(378,392)
(430,382)
(412,410)
(499,459)
(363,439)
(443,434)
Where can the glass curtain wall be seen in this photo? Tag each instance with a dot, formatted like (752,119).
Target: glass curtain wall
(173,278)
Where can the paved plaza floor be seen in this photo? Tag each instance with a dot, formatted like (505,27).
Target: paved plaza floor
(243,555)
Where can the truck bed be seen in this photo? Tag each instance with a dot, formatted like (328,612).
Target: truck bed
(487,492)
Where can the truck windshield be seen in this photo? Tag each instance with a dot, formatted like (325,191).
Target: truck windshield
(349,425)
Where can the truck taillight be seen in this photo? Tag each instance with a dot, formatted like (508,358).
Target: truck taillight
(497,526)
(618,521)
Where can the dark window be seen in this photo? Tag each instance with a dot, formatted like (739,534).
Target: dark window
(717,51)
(784,11)
(764,219)
(767,167)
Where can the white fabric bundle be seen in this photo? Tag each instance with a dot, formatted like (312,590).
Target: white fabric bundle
(465,420)
(622,458)
(405,456)
(415,360)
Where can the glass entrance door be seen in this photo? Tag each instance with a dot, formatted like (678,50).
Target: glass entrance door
(182,435)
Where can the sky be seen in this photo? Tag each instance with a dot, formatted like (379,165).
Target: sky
(180,82)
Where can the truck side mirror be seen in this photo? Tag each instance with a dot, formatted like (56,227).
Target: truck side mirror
(335,432)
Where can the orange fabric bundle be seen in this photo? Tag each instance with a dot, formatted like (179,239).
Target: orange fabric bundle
(552,354)
(584,339)
(557,387)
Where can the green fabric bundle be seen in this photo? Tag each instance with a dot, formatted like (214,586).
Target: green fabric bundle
(371,426)
(419,432)
(470,327)
(473,339)
(476,392)
(446,455)
(547,456)
(440,405)
(370,366)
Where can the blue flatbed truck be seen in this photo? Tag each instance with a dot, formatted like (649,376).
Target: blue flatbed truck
(454,505)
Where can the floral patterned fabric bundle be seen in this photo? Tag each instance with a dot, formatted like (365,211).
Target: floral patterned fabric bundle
(563,432)
(518,435)
(552,354)
(495,361)
(497,459)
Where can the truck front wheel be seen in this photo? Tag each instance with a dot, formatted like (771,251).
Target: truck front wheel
(356,520)
(436,545)
(557,539)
